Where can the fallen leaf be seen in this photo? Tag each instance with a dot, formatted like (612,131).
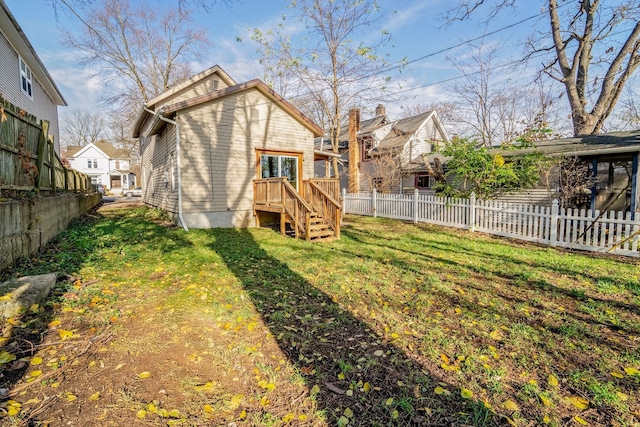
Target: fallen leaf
(466,394)
(389,401)
(378,353)
(144,375)
(632,371)
(36,374)
(70,396)
(580,421)
(579,402)
(53,323)
(553,381)
(65,334)
(617,375)
(545,400)
(622,396)
(343,421)
(496,334)
(174,413)
(510,405)
(208,409)
(314,390)
(95,396)
(6,357)
(36,361)
(142,414)
(348,413)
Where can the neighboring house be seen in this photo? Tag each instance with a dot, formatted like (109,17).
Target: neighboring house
(613,159)
(24,80)
(379,139)
(208,143)
(104,163)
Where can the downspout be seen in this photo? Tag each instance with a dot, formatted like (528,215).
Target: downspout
(164,119)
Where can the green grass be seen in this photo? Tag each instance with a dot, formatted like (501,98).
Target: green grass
(375,322)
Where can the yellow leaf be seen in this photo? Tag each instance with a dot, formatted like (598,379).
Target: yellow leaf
(5,297)
(34,308)
(142,414)
(95,396)
(36,374)
(33,401)
(348,413)
(314,390)
(152,408)
(546,419)
(511,422)
(270,386)
(632,371)
(243,415)
(466,394)
(511,405)
(174,413)
(208,409)
(545,400)
(496,334)
(553,381)
(55,385)
(144,375)
(622,396)
(65,334)
(617,375)
(444,358)
(12,411)
(366,387)
(579,402)
(36,361)
(439,390)
(378,353)
(341,376)
(70,396)
(302,417)
(458,310)
(389,401)
(580,421)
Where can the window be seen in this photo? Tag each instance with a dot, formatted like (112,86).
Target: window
(95,163)
(89,163)
(215,84)
(367,145)
(26,80)
(423,181)
(275,166)
(117,164)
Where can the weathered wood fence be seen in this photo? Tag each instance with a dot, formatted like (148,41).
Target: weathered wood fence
(612,232)
(28,160)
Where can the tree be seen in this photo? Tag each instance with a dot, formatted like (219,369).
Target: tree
(485,171)
(141,50)
(328,64)
(388,171)
(82,127)
(595,46)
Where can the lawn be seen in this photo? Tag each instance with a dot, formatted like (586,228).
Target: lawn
(395,324)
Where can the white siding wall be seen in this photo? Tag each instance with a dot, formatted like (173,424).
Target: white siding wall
(42,105)
(201,87)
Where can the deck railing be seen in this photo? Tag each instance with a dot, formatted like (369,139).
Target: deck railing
(331,186)
(324,203)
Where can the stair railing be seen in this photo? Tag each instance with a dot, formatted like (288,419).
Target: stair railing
(323,203)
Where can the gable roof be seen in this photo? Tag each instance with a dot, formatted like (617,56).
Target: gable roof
(216,69)
(107,148)
(257,84)
(589,145)
(18,39)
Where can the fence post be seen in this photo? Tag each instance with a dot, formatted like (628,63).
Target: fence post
(416,193)
(52,164)
(472,211)
(344,200)
(374,202)
(42,151)
(553,226)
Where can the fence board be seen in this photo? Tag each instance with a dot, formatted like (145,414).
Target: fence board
(569,228)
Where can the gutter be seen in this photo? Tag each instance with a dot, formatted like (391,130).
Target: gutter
(159,115)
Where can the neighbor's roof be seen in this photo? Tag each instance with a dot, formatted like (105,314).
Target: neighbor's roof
(257,84)
(102,145)
(72,150)
(590,145)
(402,132)
(18,39)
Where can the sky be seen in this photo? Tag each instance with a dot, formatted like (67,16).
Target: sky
(415,27)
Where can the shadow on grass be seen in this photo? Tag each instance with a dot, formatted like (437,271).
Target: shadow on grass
(325,340)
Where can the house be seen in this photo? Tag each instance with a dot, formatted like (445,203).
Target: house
(104,163)
(24,80)
(387,152)
(217,153)
(613,163)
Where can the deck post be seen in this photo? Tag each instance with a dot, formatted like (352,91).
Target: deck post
(296,226)
(307,227)
(338,216)
(283,224)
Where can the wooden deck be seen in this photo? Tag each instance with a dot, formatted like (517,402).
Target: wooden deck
(313,214)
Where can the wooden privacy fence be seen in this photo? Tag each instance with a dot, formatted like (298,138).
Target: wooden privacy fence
(612,232)
(28,160)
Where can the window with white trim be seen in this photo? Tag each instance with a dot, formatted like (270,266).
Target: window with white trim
(26,79)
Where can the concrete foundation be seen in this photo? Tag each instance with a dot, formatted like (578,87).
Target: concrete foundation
(26,226)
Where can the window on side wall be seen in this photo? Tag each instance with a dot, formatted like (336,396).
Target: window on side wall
(95,163)
(423,181)
(367,145)
(117,164)
(89,163)
(26,79)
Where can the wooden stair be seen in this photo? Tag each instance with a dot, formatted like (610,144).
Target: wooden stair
(319,230)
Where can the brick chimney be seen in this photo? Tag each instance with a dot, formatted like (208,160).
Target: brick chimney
(380,110)
(354,151)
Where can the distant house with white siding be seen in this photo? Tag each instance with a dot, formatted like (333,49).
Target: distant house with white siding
(104,163)
(24,80)
(406,139)
(206,142)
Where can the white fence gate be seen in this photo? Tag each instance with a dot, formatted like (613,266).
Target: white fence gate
(617,233)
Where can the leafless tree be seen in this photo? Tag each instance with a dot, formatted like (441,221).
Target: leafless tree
(141,49)
(594,49)
(329,64)
(388,171)
(82,127)
(569,180)
(629,115)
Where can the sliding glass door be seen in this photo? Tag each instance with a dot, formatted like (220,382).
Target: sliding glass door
(278,166)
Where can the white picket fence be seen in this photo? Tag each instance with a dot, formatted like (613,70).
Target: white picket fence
(617,233)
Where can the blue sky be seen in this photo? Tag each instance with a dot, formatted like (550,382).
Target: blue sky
(414,25)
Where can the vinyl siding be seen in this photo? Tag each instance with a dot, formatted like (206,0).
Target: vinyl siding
(201,87)
(42,106)
(156,154)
